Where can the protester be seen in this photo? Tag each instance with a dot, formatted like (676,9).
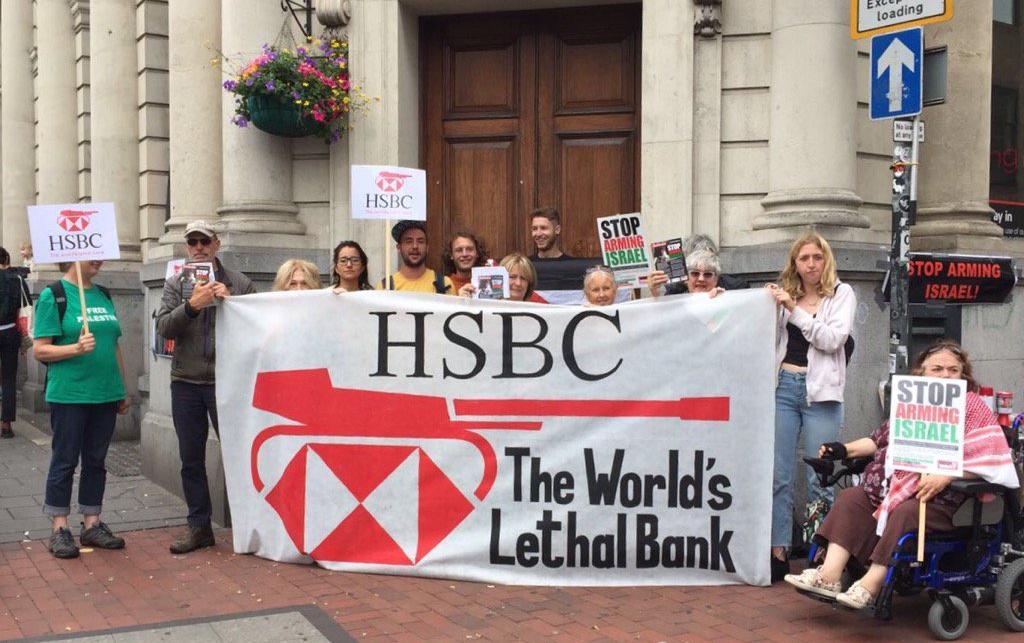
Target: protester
(465,251)
(815,316)
(26,256)
(893,500)
(413,275)
(13,293)
(546,232)
(351,268)
(85,391)
(522,277)
(189,318)
(599,286)
(696,248)
(296,274)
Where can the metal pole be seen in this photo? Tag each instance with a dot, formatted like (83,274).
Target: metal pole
(903,204)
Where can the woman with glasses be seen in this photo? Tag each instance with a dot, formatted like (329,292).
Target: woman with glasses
(296,274)
(703,272)
(350,268)
(894,501)
(815,316)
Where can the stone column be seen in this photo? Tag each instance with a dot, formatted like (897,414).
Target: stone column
(115,116)
(953,187)
(56,105)
(666,144)
(195,114)
(17,116)
(812,148)
(257,195)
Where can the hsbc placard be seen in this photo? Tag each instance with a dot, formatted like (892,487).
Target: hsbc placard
(73,232)
(388,192)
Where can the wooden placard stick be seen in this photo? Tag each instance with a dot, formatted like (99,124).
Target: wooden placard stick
(387,253)
(81,297)
(921,519)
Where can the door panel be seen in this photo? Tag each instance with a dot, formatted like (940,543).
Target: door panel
(481,186)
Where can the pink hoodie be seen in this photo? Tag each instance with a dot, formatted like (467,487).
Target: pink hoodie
(826,333)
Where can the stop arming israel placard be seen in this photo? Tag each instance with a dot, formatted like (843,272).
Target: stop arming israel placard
(501,441)
(623,247)
(73,232)
(926,425)
(387,192)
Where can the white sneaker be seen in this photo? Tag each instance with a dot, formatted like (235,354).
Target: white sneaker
(810,580)
(856,597)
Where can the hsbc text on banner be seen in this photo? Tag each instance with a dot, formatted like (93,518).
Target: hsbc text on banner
(73,232)
(499,441)
(385,192)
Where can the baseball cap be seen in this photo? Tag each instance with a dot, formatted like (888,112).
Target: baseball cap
(202,227)
(399,228)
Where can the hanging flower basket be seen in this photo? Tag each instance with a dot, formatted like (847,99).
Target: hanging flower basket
(279,117)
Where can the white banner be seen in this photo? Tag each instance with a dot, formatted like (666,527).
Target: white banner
(498,441)
(73,232)
(385,192)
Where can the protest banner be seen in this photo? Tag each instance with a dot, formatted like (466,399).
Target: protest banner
(926,431)
(73,232)
(623,248)
(497,441)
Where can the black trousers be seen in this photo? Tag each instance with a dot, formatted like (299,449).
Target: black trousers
(10,344)
(193,408)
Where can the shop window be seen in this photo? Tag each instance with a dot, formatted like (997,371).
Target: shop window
(1005,157)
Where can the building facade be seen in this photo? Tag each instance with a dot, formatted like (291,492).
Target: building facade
(742,119)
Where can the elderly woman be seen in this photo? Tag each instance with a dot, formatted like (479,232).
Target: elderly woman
(888,503)
(703,271)
(296,274)
(599,286)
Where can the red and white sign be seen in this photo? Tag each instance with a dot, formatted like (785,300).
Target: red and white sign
(384,192)
(584,452)
(73,232)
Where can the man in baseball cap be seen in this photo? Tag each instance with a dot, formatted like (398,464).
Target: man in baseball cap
(413,275)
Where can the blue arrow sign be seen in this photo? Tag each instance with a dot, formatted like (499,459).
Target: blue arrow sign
(896,74)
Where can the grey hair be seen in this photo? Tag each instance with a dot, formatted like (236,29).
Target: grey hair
(600,269)
(699,242)
(703,260)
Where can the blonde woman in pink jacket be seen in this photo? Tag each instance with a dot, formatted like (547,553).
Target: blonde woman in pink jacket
(815,317)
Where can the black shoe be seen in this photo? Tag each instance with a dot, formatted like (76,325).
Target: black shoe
(62,544)
(779,569)
(193,539)
(6,431)
(99,535)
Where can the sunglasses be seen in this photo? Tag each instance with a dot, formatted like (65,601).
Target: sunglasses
(198,241)
(349,261)
(696,274)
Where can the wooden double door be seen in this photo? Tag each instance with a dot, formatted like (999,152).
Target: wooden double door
(527,110)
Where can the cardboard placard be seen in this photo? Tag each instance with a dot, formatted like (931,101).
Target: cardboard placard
(73,232)
(388,193)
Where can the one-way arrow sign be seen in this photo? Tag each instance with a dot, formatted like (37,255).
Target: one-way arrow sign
(896,74)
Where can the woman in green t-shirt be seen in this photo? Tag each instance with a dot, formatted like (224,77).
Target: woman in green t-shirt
(85,390)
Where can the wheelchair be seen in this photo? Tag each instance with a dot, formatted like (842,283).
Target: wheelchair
(980,562)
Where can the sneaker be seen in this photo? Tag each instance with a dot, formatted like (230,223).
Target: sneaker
(193,539)
(62,544)
(810,581)
(779,568)
(99,535)
(856,597)
(5,430)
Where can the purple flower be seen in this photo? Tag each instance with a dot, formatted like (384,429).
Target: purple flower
(296,95)
(230,85)
(269,85)
(240,121)
(301,51)
(249,82)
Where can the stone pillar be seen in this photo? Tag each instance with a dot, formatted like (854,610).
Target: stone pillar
(812,149)
(257,196)
(953,187)
(115,116)
(707,119)
(195,115)
(666,131)
(17,116)
(56,105)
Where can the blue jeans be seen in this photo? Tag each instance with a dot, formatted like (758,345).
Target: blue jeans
(815,423)
(79,431)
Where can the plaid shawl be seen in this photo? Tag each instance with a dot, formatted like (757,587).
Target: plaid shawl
(986,455)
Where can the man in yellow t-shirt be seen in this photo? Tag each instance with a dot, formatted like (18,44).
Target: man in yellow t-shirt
(413,275)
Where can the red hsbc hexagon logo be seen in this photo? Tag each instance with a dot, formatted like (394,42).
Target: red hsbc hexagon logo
(74,220)
(390,181)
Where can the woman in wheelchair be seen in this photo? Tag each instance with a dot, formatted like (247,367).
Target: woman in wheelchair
(866,521)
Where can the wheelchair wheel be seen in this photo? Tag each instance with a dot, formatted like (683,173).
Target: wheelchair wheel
(1010,595)
(948,625)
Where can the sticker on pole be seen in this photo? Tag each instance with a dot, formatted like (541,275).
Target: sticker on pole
(73,232)
(870,17)
(926,425)
(387,192)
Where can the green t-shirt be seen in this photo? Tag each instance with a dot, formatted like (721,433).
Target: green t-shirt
(92,378)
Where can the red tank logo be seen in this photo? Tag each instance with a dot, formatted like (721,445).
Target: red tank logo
(74,220)
(394,503)
(391,181)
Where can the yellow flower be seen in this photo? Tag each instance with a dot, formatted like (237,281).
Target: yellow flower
(346,100)
(309,38)
(213,62)
(298,102)
(305,84)
(335,44)
(305,103)
(335,92)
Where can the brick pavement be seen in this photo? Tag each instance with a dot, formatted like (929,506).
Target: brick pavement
(144,584)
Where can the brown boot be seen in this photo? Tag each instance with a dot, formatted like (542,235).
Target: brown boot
(193,539)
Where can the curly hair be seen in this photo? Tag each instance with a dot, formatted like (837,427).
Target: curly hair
(953,347)
(481,250)
(309,271)
(789,279)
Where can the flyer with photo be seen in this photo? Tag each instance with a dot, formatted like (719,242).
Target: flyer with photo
(668,258)
(490,282)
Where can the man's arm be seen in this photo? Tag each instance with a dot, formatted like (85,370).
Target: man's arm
(174,314)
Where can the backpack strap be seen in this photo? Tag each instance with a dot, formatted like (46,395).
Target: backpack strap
(391,282)
(60,298)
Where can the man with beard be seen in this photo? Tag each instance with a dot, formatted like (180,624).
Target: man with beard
(546,231)
(465,252)
(413,275)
